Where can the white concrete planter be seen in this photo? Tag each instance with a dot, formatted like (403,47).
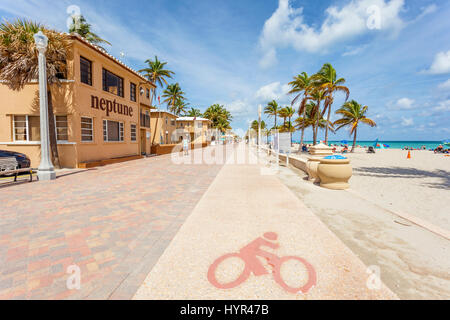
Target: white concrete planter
(311,168)
(334,173)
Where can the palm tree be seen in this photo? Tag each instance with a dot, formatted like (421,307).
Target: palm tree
(255,126)
(283,114)
(179,107)
(194,113)
(223,125)
(287,113)
(272,109)
(172,95)
(328,80)
(313,119)
(83,28)
(19,62)
(302,84)
(318,95)
(156,74)
(352,114)
(219,116)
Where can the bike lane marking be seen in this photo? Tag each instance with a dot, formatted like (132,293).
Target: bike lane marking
(240,206)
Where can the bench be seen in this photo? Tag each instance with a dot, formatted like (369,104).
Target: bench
(9,166)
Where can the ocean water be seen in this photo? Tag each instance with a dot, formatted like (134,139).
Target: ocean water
(391,144)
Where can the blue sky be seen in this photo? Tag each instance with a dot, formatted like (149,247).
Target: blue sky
(243,53)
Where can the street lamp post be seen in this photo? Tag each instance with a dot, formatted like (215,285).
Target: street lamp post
(46,171)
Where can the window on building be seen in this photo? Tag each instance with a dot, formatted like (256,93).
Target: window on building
(132,92)
(87,129)
(112,83)
(145,119)
(172,122)
(61,128)
(148,93)
(61,69)
(133,132)
(167,120)
(112,131)
(86,71)
(199,125)
(27,128)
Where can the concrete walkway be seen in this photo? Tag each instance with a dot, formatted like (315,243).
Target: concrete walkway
(240,206)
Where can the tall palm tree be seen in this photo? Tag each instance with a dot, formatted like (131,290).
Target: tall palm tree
(302,84)
(318,95)
(313,119)
(157,74)
(272,109)
(352,114)
(172,95)
(194,113)
(328,80)
(83,28)
(19,62)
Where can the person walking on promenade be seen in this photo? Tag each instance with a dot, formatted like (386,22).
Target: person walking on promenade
(185,147)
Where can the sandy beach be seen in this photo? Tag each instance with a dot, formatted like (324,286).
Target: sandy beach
(419,186)
(414,261)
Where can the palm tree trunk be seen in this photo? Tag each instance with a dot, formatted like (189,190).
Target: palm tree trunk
(314,135)
(327,124)
(290,129)
(317,121)
(354,140)
(52,132)
(303,128)
(275,120)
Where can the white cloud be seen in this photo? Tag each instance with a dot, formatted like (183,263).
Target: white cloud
(407,122)
(273,91)
(286,26)
(444,85)
(426,11)
(353,51)
(404,103)
(238,107)
(441,63)
(442,106)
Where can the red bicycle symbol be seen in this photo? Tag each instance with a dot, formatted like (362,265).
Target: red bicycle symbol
(249,254)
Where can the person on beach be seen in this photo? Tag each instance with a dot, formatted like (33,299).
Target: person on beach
(439,149)
(185,147)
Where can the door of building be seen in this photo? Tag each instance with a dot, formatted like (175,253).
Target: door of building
(143,141)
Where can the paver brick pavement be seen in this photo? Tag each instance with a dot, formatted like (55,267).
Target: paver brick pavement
(112,222)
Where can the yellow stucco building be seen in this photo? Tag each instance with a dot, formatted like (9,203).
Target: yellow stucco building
(102,111)
(163,124)
(197,129)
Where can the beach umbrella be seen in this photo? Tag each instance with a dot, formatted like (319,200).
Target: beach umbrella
(344,141)
(375,143)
